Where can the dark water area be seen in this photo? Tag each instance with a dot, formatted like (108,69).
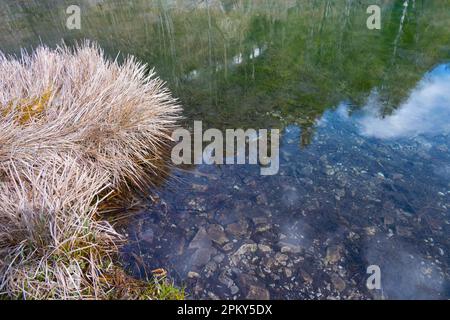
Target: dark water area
(364,116)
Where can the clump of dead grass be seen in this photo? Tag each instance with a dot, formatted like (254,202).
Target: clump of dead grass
(74,127)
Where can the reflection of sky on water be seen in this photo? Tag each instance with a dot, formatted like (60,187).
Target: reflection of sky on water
(235,61)
(426,111)
(421,124)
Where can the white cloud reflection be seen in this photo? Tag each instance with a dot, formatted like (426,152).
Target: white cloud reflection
(427,110)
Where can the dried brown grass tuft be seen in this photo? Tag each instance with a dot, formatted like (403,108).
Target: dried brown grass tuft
(74,127)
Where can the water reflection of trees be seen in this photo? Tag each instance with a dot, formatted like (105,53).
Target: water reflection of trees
(242,63)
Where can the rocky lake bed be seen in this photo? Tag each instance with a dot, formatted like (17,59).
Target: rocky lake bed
(312,231)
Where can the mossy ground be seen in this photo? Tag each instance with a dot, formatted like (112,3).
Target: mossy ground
(156,288)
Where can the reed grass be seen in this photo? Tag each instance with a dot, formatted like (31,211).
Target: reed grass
(75,127)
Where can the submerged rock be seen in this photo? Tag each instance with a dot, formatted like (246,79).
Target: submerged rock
(217,235)
(237,229)
(290,248)
(202,256)
(263,248)
(148,235)
(200,240)
(257,293)
(333,254)
(338,283)
(193,275)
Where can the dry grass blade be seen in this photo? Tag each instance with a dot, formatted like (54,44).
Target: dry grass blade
(73,128)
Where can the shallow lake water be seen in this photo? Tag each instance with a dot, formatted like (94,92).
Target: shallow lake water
(364,115)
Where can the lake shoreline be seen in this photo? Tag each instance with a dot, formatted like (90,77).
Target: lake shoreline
(69,142)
